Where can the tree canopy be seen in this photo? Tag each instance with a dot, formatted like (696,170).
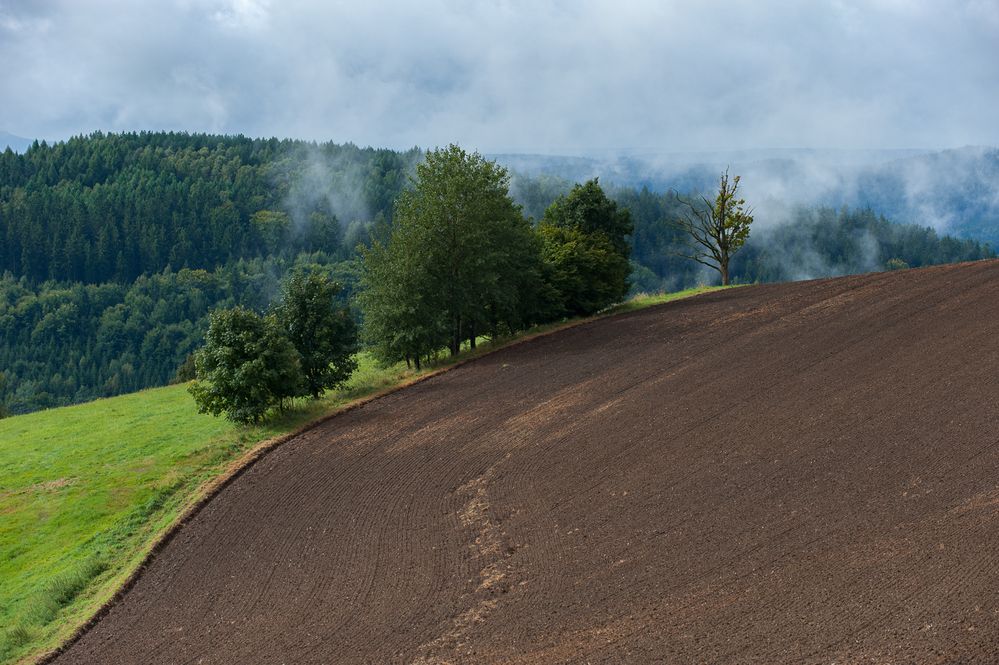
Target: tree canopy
(459,259)
(246,367)
(115,248)
(585,240)
(320,329)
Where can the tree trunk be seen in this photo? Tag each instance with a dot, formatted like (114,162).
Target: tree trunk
(455,345)
(724,273)
(417,362)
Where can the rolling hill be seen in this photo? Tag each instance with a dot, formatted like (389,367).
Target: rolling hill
(784,473)
(15,143)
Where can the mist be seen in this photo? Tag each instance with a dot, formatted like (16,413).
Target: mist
(325,181)
(950,191)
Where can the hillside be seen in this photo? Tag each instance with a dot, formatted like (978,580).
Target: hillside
(86,490)
(781,473)
(15,143)
(115,247)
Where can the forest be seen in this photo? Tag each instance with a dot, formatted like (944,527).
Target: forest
(117,247)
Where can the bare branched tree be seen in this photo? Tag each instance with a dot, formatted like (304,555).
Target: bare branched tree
(718,228)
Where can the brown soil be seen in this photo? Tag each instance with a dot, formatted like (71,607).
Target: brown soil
(796,473)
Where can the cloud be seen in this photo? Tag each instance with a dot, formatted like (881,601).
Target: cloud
(510,75)
(242,14)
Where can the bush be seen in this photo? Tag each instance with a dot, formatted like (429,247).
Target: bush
(896,264)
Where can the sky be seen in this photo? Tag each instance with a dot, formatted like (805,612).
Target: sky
(563,77)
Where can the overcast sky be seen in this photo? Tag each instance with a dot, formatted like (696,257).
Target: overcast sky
(569,77)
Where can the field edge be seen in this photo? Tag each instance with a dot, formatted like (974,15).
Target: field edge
(206,492)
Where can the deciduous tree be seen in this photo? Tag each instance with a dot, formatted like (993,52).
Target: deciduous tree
(584,236)
(246,367)
(321,330)
(455,260)
(717,229)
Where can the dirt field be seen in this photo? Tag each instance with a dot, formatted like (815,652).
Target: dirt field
(797,473)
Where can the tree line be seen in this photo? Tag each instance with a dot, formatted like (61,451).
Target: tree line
(63,343)
(450,250)
(461,260)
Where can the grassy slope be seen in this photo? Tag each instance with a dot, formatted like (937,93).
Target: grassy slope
(85,491)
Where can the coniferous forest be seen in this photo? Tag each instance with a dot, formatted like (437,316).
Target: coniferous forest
(114,248)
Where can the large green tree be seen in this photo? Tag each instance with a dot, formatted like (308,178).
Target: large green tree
(321,330)
(246,367)
(585,239)
(456,261)
(402,316)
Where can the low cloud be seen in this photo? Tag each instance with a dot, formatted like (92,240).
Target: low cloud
(510,75)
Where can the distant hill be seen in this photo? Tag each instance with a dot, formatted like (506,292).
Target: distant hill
(953,191)
(956,191)
(15,143)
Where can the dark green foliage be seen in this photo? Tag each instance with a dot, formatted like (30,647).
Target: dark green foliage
(246,367)
(401,320)
(586,271)
(66,343)
(585,240)
(115,248)
(655,244)
(250,363)
(112,207)
(320,329)
(458,260)
(587,208)
(528,295)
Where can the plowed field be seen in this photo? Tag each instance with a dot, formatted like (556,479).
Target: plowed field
(795,473)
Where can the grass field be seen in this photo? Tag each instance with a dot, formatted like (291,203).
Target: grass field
(86,490)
